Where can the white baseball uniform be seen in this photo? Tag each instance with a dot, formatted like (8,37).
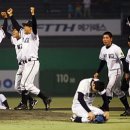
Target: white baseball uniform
(112,56)
(30,55)
(2,99)
(2,35)
(128,60)
(77,109)
(18,49)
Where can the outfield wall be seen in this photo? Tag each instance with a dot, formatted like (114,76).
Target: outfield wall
(60,69)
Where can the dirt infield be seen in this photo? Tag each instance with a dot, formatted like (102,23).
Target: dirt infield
(55,114)
(33,114)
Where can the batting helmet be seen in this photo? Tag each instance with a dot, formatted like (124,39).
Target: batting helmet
(99,119)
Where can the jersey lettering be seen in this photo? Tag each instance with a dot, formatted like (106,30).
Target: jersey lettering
(19,46)
(90,95)
(111,56)
(26,40)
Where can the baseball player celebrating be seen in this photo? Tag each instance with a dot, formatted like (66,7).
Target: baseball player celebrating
(3,102)
(30,46)
(17,42)
(115,59)
(3,28)
(82,108)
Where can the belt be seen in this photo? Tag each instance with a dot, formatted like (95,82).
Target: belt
(25,61)
(21,62)
(32,59)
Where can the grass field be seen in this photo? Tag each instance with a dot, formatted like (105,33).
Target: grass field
(57,118)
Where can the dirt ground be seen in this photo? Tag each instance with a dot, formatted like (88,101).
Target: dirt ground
(33,114)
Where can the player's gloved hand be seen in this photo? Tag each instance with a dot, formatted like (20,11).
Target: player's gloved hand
(91,116)
(106,115)
(32,10)
(96,75)
(10,12)
(4,14)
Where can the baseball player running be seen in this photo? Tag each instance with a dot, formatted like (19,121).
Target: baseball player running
(3,102)
(30,46)
(17,42)
(115,59)
(82,108)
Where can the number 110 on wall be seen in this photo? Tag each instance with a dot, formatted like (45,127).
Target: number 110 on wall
(64,78)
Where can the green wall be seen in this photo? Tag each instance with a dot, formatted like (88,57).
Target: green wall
(61,69)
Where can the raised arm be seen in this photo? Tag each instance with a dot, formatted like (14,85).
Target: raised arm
(5,24)
(34,22)
(13,20)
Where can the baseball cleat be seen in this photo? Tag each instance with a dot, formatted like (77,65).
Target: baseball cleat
(72,119)
(47,103)
(21,106)
(32,104)
(126,113)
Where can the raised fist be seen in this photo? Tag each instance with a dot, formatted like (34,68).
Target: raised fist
(32,10)
(10,12)
(4,14)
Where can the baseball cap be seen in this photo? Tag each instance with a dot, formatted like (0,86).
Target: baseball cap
(28,23)
(99,119)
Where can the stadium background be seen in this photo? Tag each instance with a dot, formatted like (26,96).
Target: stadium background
(65,60)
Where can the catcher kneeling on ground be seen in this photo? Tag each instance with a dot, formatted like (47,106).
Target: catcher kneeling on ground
(82,108)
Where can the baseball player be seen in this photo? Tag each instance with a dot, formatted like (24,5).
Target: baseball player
(3,28)
(128,61)
(3,102)
(17,42)
(30,46)
(115,59)
(82,108)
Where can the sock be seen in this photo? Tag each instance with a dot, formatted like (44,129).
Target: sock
(109,99)
(78,119)
(42,96)
(6,104)
(125,102)
(24,97)
(30,98)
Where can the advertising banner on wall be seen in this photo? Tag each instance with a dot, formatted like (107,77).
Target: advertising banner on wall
(7,80)
(87,27)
